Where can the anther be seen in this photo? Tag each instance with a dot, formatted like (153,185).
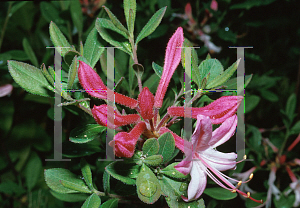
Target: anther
(251,176)
(239,184)
(248,194)
(233,191)
(245,157)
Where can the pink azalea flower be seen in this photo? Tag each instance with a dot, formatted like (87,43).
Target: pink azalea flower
(203,159)
(295,185)
(218,111)
(214,5)
(5,90)
(95,87)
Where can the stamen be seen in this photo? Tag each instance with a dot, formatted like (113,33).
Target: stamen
(245,157)
(251,176)
(239,184)
(233,191)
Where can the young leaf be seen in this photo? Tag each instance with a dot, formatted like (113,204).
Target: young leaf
(86,173)
(59,40)
(210,69)
(291,107)
(47,74)
(72,73)
(69,57)
(106,182)
(69,197)
(172,172)
(30,78)
(125,172)
(219,193)
(295,129)
(30,53)
(56,177)
(251,101)
(139,70)
(115,20)
(150,147)
(158,69)
(92,202)
(153,160)
(111,34)
(151,25)
(92,49)
(87,133)
(147,185)
(33,170)
(224,76)
(130,18)
(166,146)
(112,203)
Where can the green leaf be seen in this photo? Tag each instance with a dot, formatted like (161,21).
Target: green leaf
(210,69)
(87,133)
(249,4)
(151,25)
(138,70)
(69,56)
(172,172)
(284,201)
(86,173)
(11,188)
(166,146)
(227,35)
(152,82)
(30,78)
(112,203)
(268,95)
(63,181)
(295,129)
(30,53)
(33,170)
(147,185)
(92,49)
(72,73)
(125,172)
(92,202)
(251,101)
(69,197)
(76,15)
(106,182)
(59,40)
(111,34)
(130,18)
(222,78)
(150,147)
(50,12)
(158,69)
(115,20)
(291,106)
(73,150)
(219,193)
(153,160)
(196,76)
(255,139)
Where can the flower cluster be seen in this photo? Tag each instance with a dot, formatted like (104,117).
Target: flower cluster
(201,157)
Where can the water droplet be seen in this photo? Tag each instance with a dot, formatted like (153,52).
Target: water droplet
(183,187)
(226,29)
(173,173)
(147,188)
(85,135)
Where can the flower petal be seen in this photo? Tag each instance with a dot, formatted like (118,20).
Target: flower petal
(219,160)
(184,166)
(202,133)
(95,87)
(172,59)
(146,102)
(100,116)
(218,111)
(180,143)
(223,132)
(5,90)
(198,181)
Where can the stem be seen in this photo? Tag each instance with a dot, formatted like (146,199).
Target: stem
(122,198)
(162,121)
(284,142)
(179,94)
(198,94)
(84,109)
(5,23)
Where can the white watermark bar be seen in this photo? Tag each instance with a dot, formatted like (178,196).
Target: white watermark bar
(240,133)
(57,109)
(110,155)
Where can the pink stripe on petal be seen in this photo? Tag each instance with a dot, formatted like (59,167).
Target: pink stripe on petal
(172,59)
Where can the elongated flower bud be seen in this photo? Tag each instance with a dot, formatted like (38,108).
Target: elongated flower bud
(218,111)
(124,142)
(95,87)
(172,59)
(101,117)
(146,102)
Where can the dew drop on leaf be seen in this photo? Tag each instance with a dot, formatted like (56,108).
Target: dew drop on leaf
(147,188)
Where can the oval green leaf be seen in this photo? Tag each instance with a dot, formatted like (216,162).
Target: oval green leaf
(166,146)
(92,202)
(151,25)
(87,133)
(69,197)
(220,193)
(153,160)
(30,78)
(158,69)
(86,173)
(125,172)
(112,203)
(150,147)
(172,172)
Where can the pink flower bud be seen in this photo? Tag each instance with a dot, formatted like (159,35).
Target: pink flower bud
(124,143)
(214,5)
(94,86)
(172,59)
(101,117)
(146,102)
(218,111)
